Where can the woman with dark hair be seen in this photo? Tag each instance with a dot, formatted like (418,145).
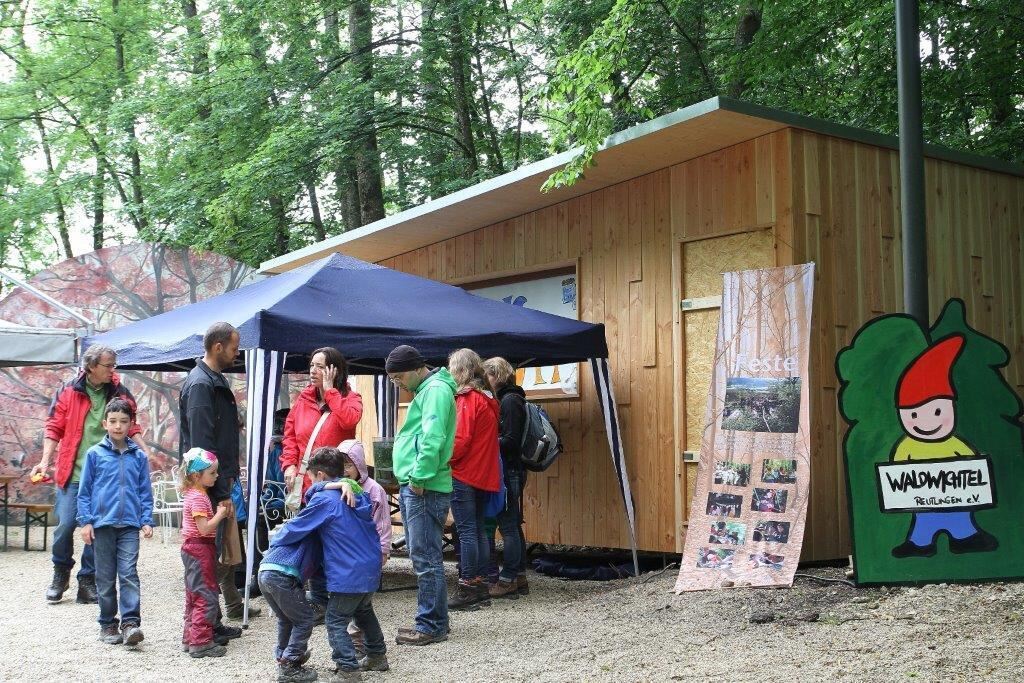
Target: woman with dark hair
(329,402)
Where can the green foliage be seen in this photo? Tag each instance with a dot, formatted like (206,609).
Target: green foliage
(988,417)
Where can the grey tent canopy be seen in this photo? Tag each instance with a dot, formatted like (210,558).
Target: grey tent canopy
(21,345)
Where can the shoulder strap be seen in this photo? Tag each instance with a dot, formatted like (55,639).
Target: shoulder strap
(312,439)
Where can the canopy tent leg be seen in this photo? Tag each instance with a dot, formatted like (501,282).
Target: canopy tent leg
(606,396)
(385,396)
(263,378)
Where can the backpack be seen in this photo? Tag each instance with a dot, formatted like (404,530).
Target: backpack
(540,444)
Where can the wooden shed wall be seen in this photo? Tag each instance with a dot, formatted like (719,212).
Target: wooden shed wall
(846,218)
(625,240)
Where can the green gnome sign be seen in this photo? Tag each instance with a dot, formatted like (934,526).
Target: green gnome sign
(934,452)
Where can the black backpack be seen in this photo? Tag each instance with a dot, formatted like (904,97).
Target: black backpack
(541,443)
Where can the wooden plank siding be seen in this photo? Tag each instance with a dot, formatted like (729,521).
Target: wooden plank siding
(823,199)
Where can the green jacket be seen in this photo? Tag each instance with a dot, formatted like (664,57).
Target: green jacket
(423,446)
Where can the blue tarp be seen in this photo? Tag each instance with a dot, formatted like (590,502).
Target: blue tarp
(365,310)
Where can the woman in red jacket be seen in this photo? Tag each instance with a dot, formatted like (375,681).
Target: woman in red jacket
(328,393)
(476,472)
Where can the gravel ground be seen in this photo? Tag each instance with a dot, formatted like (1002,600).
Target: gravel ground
(630,630)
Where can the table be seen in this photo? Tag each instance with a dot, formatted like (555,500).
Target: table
(5,480)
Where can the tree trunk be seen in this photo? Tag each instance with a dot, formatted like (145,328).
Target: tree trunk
(435,150)
(99,187)
(746,28)
(280,216)
(347,184)
(58,201)
(495,159)
(138,207)
(367,155)
(314,205)
(520,90)
(199,51)
(460,88)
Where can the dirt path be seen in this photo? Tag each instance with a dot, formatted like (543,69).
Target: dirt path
(634,630)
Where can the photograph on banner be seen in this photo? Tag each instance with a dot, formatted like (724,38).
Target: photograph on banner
(732,473)
(935,437)
(724,505)
(778,471)
(715,558)
(728,533)
(550,292)
(755,434)
(770,531)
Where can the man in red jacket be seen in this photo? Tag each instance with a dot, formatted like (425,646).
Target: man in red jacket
(74,425)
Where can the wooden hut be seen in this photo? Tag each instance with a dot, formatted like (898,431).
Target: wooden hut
(722,185)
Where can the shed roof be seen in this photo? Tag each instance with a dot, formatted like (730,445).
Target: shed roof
(685,134)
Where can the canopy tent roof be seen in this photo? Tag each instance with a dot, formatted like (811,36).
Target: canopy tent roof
(20,345)
(363,309)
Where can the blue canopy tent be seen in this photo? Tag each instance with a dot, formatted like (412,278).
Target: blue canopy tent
(365,310)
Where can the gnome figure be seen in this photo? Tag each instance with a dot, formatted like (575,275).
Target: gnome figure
(925,400)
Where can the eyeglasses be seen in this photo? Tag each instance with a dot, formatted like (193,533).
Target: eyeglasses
(109,366)
(395,379)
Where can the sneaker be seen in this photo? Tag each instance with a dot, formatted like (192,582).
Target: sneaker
(374,663)
(87,591)
(132,634)
(236,614)
(211,649)
(521,585)
(419,638)
(111,634)
(229,632)
(465,598)
(504,589)
(61,580)
(293,672)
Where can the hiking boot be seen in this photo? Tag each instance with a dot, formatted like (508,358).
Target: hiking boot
(419,638)
(465,598)
(910,549)
(61,580)
(236,614)
(521,585)
(374,663)
(293,672)
(304,657)
(87,590)
(211,649)
(483,592)
(981,542)
(229,632)
(111,634)
(346,676)
(504,589)
(132,634)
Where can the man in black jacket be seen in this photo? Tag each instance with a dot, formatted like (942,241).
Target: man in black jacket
(209,420)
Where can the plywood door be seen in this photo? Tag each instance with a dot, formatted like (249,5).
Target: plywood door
(702,265)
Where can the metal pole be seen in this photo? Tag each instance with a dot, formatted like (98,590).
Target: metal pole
(89,324)
(912,214)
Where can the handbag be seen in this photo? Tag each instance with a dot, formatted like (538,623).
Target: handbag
(293,501)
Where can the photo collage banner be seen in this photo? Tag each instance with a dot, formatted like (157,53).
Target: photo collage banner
(746,524)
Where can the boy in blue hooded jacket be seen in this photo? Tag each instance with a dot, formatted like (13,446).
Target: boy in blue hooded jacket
(351,561)
(115,501)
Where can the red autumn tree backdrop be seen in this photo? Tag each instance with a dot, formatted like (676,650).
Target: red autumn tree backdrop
(113,286)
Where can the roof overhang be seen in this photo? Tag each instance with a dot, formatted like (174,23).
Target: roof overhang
(671,139)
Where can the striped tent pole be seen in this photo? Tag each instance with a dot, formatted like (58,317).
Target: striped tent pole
(385,395)
(263,370)
(606,396)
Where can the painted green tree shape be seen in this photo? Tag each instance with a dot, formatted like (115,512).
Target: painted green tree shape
(988,417)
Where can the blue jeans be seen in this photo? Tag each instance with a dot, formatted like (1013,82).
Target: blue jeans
(318,590)
(286,597)
(468,510)
(926,525)
(510,522)
(423,518)
(66,509)
(343,608)
(117,554)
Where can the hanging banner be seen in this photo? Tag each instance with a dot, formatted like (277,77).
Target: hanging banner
(746,524)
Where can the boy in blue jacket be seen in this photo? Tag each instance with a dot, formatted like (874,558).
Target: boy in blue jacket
(351,560)
(115,501)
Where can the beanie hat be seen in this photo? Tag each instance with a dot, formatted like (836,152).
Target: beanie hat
(404,358)
(929,376)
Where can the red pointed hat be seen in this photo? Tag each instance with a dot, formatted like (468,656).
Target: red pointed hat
(930,375)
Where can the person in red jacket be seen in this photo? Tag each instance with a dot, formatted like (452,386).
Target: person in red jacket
(476,472)
(328,393)
(75,425)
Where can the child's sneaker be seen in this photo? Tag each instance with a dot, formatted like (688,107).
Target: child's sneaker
(211,649)
(293,672)
(374,663)
(110,634)
(131,634)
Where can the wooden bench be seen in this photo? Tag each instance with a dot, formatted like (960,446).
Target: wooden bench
(34,512)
